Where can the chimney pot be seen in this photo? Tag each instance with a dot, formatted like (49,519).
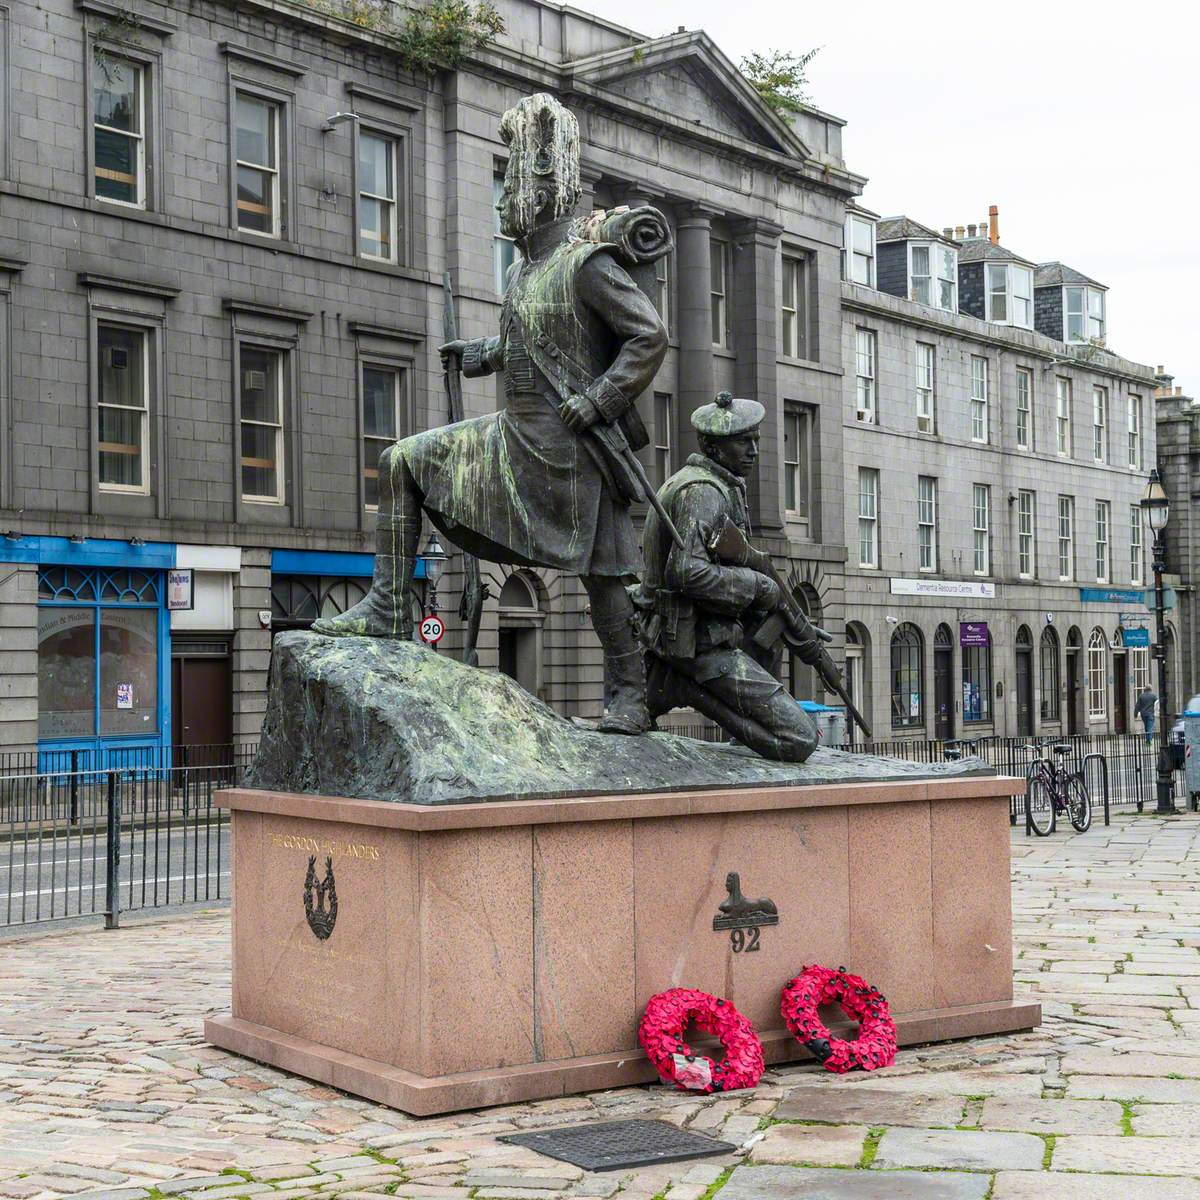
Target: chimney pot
(1179,391)
(994,225)
(970,231)
(948,232)
(1160,369)
(958,232)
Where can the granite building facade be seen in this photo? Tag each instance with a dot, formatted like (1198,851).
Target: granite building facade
(223,230)
(1178,420)
(995,452)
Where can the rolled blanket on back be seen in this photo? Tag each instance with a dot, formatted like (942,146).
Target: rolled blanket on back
(640,235)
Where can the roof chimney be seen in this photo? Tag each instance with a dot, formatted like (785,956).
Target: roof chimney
(970,231)
(947,232)
(994,225)
(958,232)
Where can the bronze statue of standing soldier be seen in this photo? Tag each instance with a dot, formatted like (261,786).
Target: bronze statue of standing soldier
(544,482)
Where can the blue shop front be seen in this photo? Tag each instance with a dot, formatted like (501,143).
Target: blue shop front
(105,642)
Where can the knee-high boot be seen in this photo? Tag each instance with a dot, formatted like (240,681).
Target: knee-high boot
(624,665)
(386,610)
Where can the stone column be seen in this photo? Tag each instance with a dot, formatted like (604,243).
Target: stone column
(755,316)
(588,179)
(694,321)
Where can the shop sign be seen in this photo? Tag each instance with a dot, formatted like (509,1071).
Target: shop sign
(973,633)
(181,589)
(968,589)
(1111,596)
(1135,637)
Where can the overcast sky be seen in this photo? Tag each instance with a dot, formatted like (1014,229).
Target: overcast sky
(1078,120)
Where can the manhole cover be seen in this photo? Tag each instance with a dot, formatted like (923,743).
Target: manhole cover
(611,1145)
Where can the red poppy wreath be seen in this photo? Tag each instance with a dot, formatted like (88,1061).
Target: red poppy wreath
(875,1045)
(661,1035)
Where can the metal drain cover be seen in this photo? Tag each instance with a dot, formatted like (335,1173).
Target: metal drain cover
(612,1145)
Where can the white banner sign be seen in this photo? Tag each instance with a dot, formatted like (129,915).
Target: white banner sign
(968,589)
(181,595)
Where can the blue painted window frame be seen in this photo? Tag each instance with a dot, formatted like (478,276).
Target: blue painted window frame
(101,746)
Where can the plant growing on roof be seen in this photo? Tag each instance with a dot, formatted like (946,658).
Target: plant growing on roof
(431,36)
(779,78)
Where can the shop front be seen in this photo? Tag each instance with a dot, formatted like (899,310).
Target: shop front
(103,656)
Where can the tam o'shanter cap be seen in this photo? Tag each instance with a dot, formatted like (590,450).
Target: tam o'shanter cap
(727,416)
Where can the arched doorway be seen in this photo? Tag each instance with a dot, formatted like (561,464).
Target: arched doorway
(943,683)
(858,670)
(521,618)
(1024,682)
(803,680)
(1051,684)
(1171,702)
(907,677)
(1074,692)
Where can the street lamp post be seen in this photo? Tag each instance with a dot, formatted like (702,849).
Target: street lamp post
(1157,510)
(435,559)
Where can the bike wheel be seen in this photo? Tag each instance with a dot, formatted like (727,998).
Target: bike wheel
(1040,804)
(1079,803)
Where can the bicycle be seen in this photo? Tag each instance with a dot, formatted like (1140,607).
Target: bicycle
(1053,790)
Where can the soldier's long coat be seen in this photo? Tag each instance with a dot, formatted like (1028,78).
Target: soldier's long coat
(518,486)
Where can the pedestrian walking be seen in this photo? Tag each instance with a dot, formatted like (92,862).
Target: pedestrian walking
(1145,707)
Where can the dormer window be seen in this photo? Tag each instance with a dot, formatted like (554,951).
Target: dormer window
(1010,294)
(860,249)
(1084,308)
(933,275)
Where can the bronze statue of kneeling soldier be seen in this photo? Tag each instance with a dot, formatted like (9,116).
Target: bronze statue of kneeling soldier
(713,609)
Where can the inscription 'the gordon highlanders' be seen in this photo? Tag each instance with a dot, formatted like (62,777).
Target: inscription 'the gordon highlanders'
(320,899)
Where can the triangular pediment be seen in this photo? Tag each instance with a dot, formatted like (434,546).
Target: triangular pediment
(685,79)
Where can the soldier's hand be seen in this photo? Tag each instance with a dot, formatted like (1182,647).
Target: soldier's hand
(766,594)
(449,350)
(579,412)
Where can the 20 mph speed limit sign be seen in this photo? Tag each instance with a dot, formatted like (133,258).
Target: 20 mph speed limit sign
(432,629)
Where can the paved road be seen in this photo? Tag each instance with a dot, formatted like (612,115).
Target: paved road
(106,1086)
(44,878)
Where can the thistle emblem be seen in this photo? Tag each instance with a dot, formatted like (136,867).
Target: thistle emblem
(320,899)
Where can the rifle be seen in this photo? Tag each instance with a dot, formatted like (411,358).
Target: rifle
(475,592)
(788,622)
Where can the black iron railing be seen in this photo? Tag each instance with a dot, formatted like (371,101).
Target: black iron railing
(92,843)
(48,760)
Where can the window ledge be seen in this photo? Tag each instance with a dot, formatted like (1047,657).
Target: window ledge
(102,8)
(139,287)
(232,305)
(260,58)
(388,331)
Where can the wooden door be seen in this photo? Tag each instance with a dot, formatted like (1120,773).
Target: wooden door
(202,710)
(1024,693)
(1120,694)
(943,694)
(1073,691)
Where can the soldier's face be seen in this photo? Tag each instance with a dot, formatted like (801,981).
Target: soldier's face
(736,454)
(505,207)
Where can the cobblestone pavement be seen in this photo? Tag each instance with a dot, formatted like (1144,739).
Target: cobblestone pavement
(108,1093)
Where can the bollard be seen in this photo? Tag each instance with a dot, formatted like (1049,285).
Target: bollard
(112,901)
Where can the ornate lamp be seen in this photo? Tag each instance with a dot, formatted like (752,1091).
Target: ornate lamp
(1157,510)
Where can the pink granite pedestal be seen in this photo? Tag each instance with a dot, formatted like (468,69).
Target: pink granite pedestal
(490,953)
